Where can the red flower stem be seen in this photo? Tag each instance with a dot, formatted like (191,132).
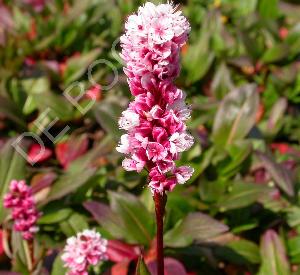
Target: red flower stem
(160,201)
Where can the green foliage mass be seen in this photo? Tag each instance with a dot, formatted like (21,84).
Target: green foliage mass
(240,212)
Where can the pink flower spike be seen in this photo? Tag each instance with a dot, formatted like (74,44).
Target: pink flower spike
(155,119)
(85,249)
(24,212)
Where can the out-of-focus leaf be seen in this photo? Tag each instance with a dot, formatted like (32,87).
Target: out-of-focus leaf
(293,94)
(210,191)
(9,273)
(200,163)
(238,152)
(278,172)
(106,218)
(276,205)
(268,8)
(289,9)
(273,255)
(36,86)
(236,115)
(56,216)
(76,10)
(275,119)
(241,195)
(118,251)
(293,245)
(141,268)
(195,227)
(19,254)
(293,216)
(107,114)
(120,268)
(58,266)
(77,65)
(50,105)
(79,171)
(276,53)
(71,149)
(198,58)
(74,224)
(171,267)
(12,166)
(69,182)
(246,249)
(37,153)
(222,82)
(10,110)
(134,215)
(41,181)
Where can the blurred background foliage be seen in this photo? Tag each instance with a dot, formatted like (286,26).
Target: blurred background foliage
(240,213)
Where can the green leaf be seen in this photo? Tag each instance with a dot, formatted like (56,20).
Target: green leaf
(293,216)
(76,223)
(241,195)
(141,268)
(236,115)
(12,166)
(10,110)
(19,253)
(76,66)
(276,117)
(199,58)
(268,8)
(238,152)
(278,172)
(107,114)
(69,182)
(56,216)
(246,249)
(200,163)
(222,82)
(36,86)
(194,227)
(276,53)
(58,266)
(111,222)
(80,171)
(134,215)
(53,103)
(293,245)
(273,255)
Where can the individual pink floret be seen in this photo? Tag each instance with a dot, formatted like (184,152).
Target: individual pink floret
(24,212)
(87,248)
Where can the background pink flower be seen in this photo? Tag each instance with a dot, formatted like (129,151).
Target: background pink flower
(87,248)
(24,212)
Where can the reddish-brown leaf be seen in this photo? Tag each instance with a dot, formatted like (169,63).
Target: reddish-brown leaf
(172,267)
(68,151)
(37,153)
(120,268)
(118,251)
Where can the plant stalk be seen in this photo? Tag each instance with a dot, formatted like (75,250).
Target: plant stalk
(160,201)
